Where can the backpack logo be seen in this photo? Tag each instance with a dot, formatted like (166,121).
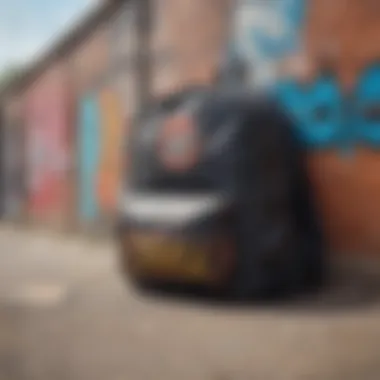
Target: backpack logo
(178,144)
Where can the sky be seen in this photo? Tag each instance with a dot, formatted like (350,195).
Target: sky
(27,27)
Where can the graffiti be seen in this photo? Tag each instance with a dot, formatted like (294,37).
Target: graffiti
(326,112)
(47,147)
(265,32)
(101,129)
(367,106)
(110,159)
(326,116)
(89,146)
(48,164)
(316,110)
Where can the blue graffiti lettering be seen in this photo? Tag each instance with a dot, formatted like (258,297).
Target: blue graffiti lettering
(316,110)
(367,107)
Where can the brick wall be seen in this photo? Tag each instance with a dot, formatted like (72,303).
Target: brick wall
(188,38)
(345,31)
(347,188)
(90,60)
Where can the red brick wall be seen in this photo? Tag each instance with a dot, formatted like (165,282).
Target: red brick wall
(188,40)
(345,30)
(347,189)
(48,148)
(89,61)
(88,65)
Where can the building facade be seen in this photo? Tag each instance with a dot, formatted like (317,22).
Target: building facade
(71,115)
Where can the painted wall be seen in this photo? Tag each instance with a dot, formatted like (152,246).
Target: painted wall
(119,101)
(77,115)
(122,37)
(103,128)
(88,157)
(88,65)
(90,60)
(110,173)
(106,105)
(47,146)
(188,39)
(321,58)
(12,159)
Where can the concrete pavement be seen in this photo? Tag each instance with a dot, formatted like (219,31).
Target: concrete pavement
(65,314)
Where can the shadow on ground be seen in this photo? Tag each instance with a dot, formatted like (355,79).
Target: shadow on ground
(344,294)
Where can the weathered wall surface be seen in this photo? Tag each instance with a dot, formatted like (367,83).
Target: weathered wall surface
(348,189)
(105,105)
(119,97)
(77,114)
(188,40)
(12,159)
(88,65)
(90,60)
(48,148)
(346,32)
(332,47)
(77,110)
(347,192)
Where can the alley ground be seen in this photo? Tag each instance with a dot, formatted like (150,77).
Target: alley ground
(65,314)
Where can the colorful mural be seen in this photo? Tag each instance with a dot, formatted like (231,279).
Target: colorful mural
(367,106)
(110,159)
(89,148)
(266,32)
(48,149)
(317,110)
(340,109)
(322,60)
(101,128)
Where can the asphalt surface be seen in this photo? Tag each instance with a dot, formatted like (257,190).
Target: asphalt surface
(66,314)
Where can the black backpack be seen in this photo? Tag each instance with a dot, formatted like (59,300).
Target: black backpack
(258,163)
